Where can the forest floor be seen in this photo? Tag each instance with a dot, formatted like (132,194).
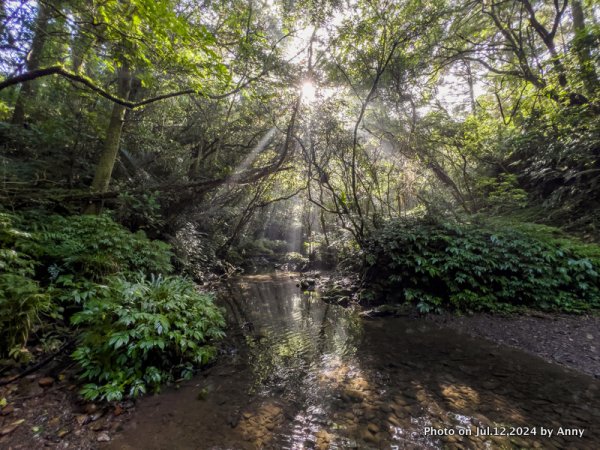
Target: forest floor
(569,340)
(44,410)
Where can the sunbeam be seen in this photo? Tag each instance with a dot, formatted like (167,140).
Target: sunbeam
(260,146)
(308,91)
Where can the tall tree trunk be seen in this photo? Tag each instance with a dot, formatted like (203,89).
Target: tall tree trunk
(78,51)
(110,151)
(32,62)
(195,161)
(3,17)
(582,48)
(471,83)
(79,47)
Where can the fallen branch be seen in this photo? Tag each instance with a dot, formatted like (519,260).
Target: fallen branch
(37,365)
(68,194)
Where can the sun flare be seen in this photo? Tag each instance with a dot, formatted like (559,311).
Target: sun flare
(308,91)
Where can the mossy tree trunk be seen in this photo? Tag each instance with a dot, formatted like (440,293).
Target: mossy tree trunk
(582,48)
(108,157)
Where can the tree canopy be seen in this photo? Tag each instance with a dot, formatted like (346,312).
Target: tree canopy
(447,151)
(358,111)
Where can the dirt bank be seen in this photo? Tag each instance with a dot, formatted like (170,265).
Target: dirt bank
(572,341)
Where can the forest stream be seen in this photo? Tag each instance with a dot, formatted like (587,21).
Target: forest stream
(428,170)
(301,373)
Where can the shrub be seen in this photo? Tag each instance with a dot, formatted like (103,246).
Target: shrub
(140,334)
(21,304)
(21,299)
(47,262)
(135,335)
(95,246)
(295,258)
(294,262)
(482,267)
(262,247)
(556,156)
(140,211)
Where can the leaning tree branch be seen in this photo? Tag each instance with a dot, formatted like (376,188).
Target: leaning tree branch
(280,199)
(89,83)
(249,177)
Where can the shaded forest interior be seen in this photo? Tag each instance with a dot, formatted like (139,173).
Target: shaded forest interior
(447,153)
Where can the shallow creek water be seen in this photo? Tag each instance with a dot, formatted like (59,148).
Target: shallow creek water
(301,373)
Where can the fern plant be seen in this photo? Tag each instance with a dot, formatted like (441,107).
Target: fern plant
(22,302)
(140,334)
(94,247)
(477,266)
(21,299)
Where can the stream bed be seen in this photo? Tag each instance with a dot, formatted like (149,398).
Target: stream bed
(304,374)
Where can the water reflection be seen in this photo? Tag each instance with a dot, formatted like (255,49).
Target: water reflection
(289,336)
(344,387)
(308,375)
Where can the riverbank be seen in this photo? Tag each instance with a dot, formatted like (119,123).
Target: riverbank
(568,340)
(45,410)
(314,375)
(289,369)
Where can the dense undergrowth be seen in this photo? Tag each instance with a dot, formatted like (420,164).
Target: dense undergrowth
(138,325)
(492,265)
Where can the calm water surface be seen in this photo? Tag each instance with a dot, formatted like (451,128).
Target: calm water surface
(303,374)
